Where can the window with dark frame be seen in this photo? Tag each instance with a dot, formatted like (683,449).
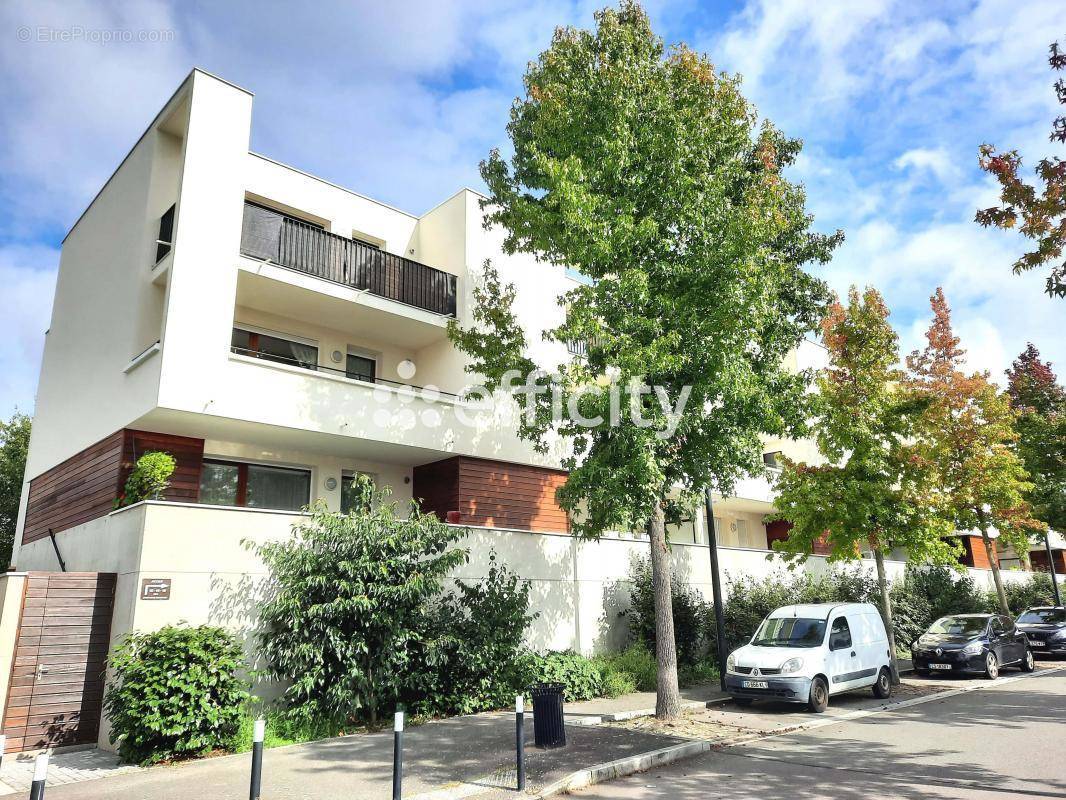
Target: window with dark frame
(361,368)
(352,498)
(235,483)
(840,634)
(165,240)
(272,347)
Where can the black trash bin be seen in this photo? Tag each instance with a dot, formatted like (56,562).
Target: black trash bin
(548,729)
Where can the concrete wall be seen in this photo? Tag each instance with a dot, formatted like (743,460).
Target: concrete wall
(12,590)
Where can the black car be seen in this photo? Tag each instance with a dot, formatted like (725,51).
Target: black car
(1045,627)
(968,643)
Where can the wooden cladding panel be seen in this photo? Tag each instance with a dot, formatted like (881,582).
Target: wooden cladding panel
(84,487)
(80,489)
(777,531)
(494,494)
(974,554)
(187,452)
(57,675)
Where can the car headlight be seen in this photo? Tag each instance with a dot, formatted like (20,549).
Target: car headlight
(731,663)
(973,648)
(792,665)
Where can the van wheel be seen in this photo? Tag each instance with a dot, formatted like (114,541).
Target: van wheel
(819,698)
(1028,663)
(883,687)
(991,666)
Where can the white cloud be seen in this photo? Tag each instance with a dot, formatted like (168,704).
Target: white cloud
(935,160)
(28,275)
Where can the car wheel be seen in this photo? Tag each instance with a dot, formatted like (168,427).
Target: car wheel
(883,687)
(1028,663)
(742,701)
(819,697)
(991,666)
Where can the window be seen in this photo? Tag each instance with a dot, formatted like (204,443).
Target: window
(998,627)
(789,632)
(840,634)
(273,347)
(230,483)
(354,496)
(165,240)
(361,368)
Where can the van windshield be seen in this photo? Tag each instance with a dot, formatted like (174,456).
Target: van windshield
(790,632)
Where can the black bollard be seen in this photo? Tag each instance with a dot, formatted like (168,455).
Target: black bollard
(397,756)
(520,740)
(258,736)
(40,775)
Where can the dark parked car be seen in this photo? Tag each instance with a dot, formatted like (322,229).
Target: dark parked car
(1045,627)
(981,643)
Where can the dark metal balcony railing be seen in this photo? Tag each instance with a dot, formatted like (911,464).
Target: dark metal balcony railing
(301,246)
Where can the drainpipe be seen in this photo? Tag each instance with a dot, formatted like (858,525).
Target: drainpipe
(62,563)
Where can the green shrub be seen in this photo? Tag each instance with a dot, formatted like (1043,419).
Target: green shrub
(579,675)
(148,479)
(616,684)
(926,593)
(175,693)
(703,671)
(636,662)
(475,662)
(750,599)
(1035,591)
(690,612)
(281,730)
(345,622)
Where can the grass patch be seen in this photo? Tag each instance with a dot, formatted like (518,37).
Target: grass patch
(280,731)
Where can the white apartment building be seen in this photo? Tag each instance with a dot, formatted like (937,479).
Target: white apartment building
(279,334)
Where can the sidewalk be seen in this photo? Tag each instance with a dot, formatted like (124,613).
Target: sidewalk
(455,758)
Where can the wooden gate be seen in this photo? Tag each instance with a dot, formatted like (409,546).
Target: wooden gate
(57,678)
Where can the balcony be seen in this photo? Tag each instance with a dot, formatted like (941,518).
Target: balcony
(271,236)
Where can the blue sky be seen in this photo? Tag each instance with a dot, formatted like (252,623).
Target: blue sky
(401,100)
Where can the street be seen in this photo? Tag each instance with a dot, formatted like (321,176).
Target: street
(1000,741)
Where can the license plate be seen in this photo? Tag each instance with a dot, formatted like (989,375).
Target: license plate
(940,666)
(1037,643)
(755,684)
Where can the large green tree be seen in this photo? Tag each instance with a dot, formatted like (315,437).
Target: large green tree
(872,492)
(1040,403)
(647,171)
(967,433)
(1041,206)
(14,444)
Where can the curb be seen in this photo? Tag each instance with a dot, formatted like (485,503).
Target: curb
(623,716)
(623,766)
(641,762)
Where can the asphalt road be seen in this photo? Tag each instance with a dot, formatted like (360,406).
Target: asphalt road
(1003,741)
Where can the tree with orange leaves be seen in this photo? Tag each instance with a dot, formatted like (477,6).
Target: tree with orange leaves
(1042,209)
(874,491)
(967,433)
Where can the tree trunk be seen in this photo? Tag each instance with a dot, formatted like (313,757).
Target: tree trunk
(667,695)
(886,608)
(994,563)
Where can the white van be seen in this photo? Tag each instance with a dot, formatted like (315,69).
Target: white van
(806,653)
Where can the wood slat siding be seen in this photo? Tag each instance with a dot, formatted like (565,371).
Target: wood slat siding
(187,452)
(777,531)
(76,491)
(84,487)
(494,494)
(974,554)
(64,630)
